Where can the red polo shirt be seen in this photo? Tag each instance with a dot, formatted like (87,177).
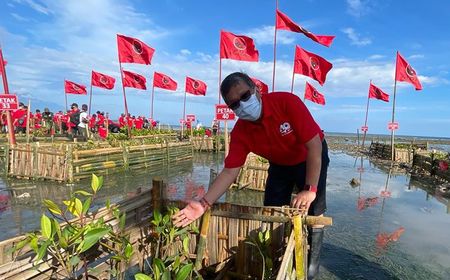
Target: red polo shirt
(280,135)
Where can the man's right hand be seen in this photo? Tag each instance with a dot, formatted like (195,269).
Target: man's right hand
(190,213)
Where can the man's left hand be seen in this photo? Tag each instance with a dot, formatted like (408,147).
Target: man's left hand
(303,200)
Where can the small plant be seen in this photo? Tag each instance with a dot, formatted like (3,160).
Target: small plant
(81,235)
(262,243)
(170,256)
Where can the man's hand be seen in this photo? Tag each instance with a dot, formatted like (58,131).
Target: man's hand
(190,213)
(303,200)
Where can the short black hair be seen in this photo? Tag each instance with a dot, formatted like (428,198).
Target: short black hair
(234,79)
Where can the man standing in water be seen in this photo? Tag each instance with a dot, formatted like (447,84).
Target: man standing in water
(278,127)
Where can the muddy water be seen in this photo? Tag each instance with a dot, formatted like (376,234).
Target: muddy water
(383,229)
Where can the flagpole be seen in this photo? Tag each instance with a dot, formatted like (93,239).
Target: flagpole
(153,94)
(220,75)
(293,73)
(90,99)
(123,90)
(12,136)
(28,122)
(274,48)
(393,110)
(184,113)
(65,96)
(367,113)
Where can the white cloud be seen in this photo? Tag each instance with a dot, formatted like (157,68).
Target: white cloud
(265,36)
(376,56)
(357,8)
(18,17)
(38,7)
(355,38)
(185,52)
(416,56)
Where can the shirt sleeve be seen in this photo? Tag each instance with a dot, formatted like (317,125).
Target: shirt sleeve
(305,127)
(238,148)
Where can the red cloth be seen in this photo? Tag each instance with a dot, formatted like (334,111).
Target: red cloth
(74,88)
(133,50)
(100,120)
(405,73)
(285,23)
(102,80)
(92,122)
(237,47)
(122,121)
(102,132)
(163,81)
(312,94)
(263,88)
(138,123)
(377,93)
(133,80)
(280,136)
(22,115)
(195,87)
(311,65)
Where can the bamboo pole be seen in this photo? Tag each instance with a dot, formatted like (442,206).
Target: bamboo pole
(299,250)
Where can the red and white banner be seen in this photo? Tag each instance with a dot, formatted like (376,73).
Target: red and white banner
(364,128)
(190,118)
(393,126)
(9,102)
(223,113)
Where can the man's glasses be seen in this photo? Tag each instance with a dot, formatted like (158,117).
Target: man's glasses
(246,96)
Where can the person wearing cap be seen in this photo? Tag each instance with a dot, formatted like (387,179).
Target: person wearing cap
(73,119)
(278,127)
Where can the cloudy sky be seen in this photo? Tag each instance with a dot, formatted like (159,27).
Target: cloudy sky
(47,41)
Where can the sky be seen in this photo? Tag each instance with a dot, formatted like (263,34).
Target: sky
(47,41)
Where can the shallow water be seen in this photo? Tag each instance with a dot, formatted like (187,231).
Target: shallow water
(351,251)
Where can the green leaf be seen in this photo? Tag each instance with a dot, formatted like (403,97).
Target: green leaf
(91,238)
(122,221)
(261,237)
(46,227)
(78,207)
(85,193)
(186,245)
(34,244)
(56,227)
(267,235)
(166,275)
(52,207)
(74,260)
(141,276)
(176,263)
(157,217)
(41,251)
(63,242)
(128,251)
(95,184)
(108,203)
(86,205)
(21,244)
(184,272)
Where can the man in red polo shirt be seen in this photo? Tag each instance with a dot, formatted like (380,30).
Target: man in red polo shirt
(278,127)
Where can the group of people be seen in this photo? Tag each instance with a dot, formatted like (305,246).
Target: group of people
(75,121)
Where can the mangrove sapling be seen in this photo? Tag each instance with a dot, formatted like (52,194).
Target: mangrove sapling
(262,243)
(170,256)
(68,247)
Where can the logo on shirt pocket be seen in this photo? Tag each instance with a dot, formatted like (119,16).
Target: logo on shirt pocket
(285,128)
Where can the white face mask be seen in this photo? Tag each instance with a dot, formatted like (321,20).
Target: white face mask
(249,110)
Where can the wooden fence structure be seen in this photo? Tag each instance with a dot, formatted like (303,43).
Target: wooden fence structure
(207,144)
(67,163)
(253,174)
(220,246)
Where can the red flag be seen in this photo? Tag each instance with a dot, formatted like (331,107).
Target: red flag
(163,81)
(102,80)
(285,23)
(405,73)
(263,88)
(195,87)
(312,94)
(132,50)
(377,93)
(74,88)
(133,80)
(237,47)
(311,65)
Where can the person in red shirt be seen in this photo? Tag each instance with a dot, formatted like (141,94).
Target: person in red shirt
(122,121)
(20,118)
(38,119)
(92,123)
(138,123)
(278,127)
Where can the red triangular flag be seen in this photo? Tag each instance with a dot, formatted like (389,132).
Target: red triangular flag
(312,94)
(263,88)
(405,73)
(237,47)
(74,88)
(102,80)
(377,93)
(132,50)
(285,23)
(311,65)
(133,80)
(195,87)
(163,81)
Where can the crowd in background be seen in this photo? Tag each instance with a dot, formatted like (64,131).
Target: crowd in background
(77,121)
